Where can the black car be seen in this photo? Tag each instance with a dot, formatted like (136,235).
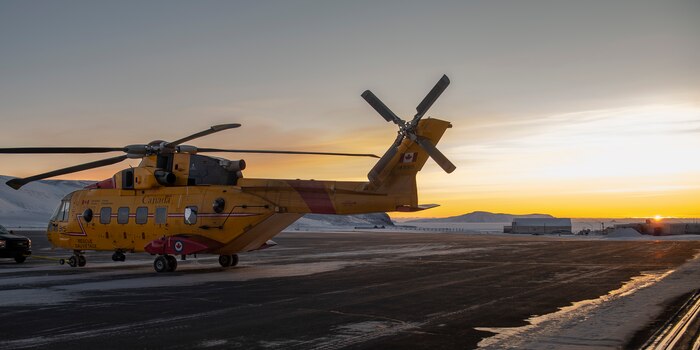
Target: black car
(14,246)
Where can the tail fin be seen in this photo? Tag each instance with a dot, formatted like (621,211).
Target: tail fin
(397,176)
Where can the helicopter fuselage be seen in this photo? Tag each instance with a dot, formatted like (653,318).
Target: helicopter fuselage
(227,219)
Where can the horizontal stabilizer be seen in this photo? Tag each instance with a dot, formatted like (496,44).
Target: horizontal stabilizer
(268,244)
(419,207)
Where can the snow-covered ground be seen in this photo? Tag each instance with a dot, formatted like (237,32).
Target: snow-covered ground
(33,204)
(602,323)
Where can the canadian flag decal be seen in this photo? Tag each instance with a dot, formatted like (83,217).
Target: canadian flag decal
(409,157)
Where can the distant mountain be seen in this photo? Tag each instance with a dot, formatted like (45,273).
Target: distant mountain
(481,216)
(33,204)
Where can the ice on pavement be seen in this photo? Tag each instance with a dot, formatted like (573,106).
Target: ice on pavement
(602,323)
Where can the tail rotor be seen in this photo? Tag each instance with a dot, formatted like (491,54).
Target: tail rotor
(408,129)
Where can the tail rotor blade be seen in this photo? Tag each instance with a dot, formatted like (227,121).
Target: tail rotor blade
(381,108)
(432,96)
(213,129)
(437,156)
(18,182)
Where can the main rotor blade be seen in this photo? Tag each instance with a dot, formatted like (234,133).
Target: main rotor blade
(18,182)
(432,96)
(49,150)
(437,156)
(213,129)
(381,108)
(200,150)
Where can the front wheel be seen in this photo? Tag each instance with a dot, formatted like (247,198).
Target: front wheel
(73,261)
(161,264)
(20,259)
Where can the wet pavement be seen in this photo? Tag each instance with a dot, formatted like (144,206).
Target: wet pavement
(325,290)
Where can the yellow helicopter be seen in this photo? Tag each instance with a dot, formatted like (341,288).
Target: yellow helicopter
(179,202)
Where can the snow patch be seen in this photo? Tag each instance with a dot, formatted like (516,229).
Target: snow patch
(624,232)
(607,322)
(213,343)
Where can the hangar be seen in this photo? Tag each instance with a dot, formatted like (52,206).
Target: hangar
(541,226)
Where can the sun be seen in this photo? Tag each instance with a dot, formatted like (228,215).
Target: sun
(658,217)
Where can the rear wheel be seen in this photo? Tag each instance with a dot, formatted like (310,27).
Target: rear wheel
(234,259)
(20,259)
(161,264)
(172,263)
(81,261)
(225,260)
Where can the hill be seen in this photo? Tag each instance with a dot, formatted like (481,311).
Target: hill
(33,205)
(480,216)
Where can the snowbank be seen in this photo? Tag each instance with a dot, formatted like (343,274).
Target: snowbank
(624,232)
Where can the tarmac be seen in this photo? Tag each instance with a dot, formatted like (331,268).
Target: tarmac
(318,290)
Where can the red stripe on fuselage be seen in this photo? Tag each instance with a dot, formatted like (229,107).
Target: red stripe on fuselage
(314,195)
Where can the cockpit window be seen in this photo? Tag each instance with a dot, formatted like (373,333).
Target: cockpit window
(54,216)
(62,211)
(66,210)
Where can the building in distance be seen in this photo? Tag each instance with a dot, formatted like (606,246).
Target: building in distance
(539,226)
(663,228)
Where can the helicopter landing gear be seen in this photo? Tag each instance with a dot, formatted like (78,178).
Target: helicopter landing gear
(228,260)
(172,261)
(77,259)
(165,263)
(118,256)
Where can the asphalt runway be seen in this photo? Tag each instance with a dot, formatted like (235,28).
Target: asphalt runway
(358,290)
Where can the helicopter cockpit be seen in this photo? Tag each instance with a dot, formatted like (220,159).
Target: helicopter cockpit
(62,211)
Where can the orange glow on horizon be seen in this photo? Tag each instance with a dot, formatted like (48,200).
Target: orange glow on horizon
(618,163)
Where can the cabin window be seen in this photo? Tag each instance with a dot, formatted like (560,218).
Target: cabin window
(141,215)
(191,215)
(105,215)
(161,215)
(123,215)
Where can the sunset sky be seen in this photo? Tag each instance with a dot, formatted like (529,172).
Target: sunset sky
(572,108)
